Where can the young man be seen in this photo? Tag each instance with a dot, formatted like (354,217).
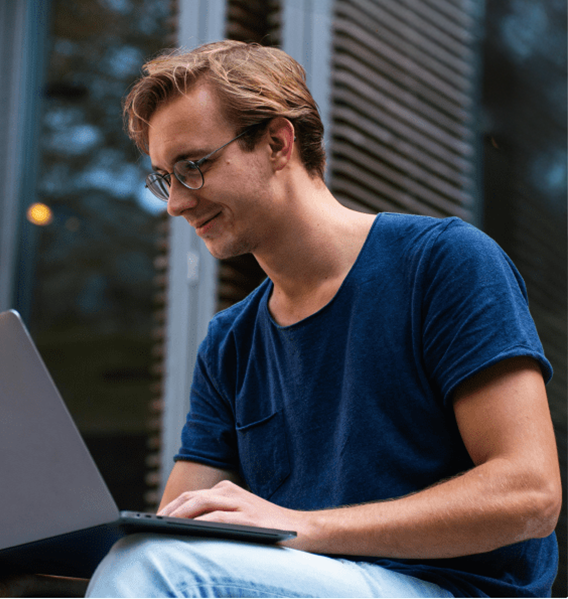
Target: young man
(381,393)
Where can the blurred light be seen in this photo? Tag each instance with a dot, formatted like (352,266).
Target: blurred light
(39,214)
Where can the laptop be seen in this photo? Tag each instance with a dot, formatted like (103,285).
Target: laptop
(57,515)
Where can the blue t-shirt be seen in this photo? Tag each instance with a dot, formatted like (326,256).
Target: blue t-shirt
(354,403)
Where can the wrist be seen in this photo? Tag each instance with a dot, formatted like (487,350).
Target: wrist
(318,531)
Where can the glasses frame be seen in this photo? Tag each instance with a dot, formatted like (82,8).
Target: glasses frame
(167,177)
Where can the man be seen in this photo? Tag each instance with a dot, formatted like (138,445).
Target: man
(381,393)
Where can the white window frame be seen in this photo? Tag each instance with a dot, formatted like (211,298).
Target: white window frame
(23,31)
(192,274)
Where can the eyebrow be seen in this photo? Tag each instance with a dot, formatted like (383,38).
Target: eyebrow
(198,153)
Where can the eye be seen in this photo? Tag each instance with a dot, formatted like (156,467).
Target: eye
(160,179)
(188,173)
(186,168)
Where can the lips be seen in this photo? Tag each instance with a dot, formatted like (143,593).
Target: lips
(203,223)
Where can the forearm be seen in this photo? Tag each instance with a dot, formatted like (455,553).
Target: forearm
(478,511)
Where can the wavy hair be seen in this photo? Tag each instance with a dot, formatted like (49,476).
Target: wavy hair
(254,84)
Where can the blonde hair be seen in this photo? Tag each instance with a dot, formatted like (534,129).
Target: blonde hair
(254,84)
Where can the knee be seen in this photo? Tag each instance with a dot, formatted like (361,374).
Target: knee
(131,551)
(127,568)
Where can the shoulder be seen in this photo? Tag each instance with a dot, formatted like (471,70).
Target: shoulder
(410,233)
(462,252)
(227,328)
(424,229)
(441,243)
(419,245)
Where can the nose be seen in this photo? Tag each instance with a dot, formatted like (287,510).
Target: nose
(181,198)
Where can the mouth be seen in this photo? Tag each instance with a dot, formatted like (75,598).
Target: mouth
(203,225)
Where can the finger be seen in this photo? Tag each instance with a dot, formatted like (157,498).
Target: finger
(190,503)
(176,503)
(192,510)
(203,504)
(173,505)
(225,517)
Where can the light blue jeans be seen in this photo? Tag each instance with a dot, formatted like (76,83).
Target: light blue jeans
(150,565)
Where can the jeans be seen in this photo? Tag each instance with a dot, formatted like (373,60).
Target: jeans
(150,565)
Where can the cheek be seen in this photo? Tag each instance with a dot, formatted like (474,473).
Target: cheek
(246,184)
(252,167)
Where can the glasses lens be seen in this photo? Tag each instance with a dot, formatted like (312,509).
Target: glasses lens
(158,185)
(188,173)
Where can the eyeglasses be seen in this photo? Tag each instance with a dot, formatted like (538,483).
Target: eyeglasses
(187,172)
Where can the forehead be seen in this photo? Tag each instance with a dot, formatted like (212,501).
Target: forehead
(187,124)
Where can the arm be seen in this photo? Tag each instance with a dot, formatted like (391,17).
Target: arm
(513,493)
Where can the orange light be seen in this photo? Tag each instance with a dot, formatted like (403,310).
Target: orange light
(39,214)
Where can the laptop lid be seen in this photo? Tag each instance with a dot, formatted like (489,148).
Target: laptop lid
(49,483)
(56,513)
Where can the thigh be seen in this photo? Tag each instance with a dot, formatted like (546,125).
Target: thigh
(167,566)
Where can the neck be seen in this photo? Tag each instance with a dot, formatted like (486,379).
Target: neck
(310,251)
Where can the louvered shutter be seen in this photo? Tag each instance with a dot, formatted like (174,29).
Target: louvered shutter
(402,106)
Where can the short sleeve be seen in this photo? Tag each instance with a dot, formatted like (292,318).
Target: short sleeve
(475,309)
(209,434)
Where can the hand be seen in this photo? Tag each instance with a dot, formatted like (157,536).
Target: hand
(227,502)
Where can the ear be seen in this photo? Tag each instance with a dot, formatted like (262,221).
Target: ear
(281,139)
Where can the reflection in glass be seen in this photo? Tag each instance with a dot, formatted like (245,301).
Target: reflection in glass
(92,304)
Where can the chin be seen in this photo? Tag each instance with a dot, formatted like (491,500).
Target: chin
(224,251)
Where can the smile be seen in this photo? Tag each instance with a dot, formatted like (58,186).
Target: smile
(203,226)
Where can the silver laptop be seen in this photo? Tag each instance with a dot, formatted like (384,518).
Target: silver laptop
(57,515)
